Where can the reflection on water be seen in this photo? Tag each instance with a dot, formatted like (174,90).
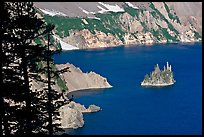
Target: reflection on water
(86,92)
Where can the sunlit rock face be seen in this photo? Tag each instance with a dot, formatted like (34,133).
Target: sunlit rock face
(159,77)
(106,24)
(71,114)
(75,79)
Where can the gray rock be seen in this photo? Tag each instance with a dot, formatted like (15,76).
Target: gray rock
(76,106)
(71,117)
(75,79)
(94,108)
(71,114)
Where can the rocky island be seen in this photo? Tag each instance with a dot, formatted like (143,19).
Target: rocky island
(159,78)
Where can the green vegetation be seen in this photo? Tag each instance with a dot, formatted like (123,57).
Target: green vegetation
(133,12)
(159,77)
(95,24)
(64,24)
(37,41)
(55,43)
(145,28)
(157,11)
(164,32)
(134,35)
(146,78)
(112,24)
(171,27)
(154,14)
(58,46)
(156,34)
(34,106)
(109,23)
(61,83)
(197,35)
(39,65)
(168,36)
(171,16)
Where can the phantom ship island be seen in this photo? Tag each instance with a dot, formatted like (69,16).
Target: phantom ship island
(159,78)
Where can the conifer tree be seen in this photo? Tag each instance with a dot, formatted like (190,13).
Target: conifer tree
(25,110)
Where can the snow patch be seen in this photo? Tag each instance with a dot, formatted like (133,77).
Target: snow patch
(85,22)
(94,18)
(52,12)
(87,12)
(114,8)
(64,45)
(131,5)
(102,10)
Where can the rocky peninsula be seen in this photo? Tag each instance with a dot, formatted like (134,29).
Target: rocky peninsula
(71,114)
(159,78)
(75,79)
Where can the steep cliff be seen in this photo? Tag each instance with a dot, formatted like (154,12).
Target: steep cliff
(71,115)
(98,24)
(75,79)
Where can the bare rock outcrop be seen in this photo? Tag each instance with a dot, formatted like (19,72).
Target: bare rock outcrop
(85,39)
(82,108)
(93,108)
(70,117)
(77,80)
(138,23)
(71,114)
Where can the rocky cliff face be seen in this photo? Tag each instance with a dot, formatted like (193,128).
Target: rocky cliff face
(159,77)
(94,25)
(71,115)
(75,79)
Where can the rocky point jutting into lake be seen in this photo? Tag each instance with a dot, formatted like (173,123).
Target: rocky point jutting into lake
(159,78)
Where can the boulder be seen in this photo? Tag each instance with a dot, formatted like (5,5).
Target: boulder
(82,108)
(71,117)
(76,106)
(93,108)
(71,114)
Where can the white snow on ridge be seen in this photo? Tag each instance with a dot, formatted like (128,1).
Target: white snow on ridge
(114,8)
(52,12)
(64,45)
(131,5)
(87,12)
(102,10)
(84,10)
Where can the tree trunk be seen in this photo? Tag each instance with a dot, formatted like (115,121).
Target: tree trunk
(27,92)
(49,90)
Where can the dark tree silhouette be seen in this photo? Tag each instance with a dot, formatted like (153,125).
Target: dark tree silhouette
(25,109)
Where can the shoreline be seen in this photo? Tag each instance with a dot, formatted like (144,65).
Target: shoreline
(84,89)
(157,85)
(128,45)
(75,79)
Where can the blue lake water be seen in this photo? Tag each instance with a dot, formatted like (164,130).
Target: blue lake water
(129,108)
